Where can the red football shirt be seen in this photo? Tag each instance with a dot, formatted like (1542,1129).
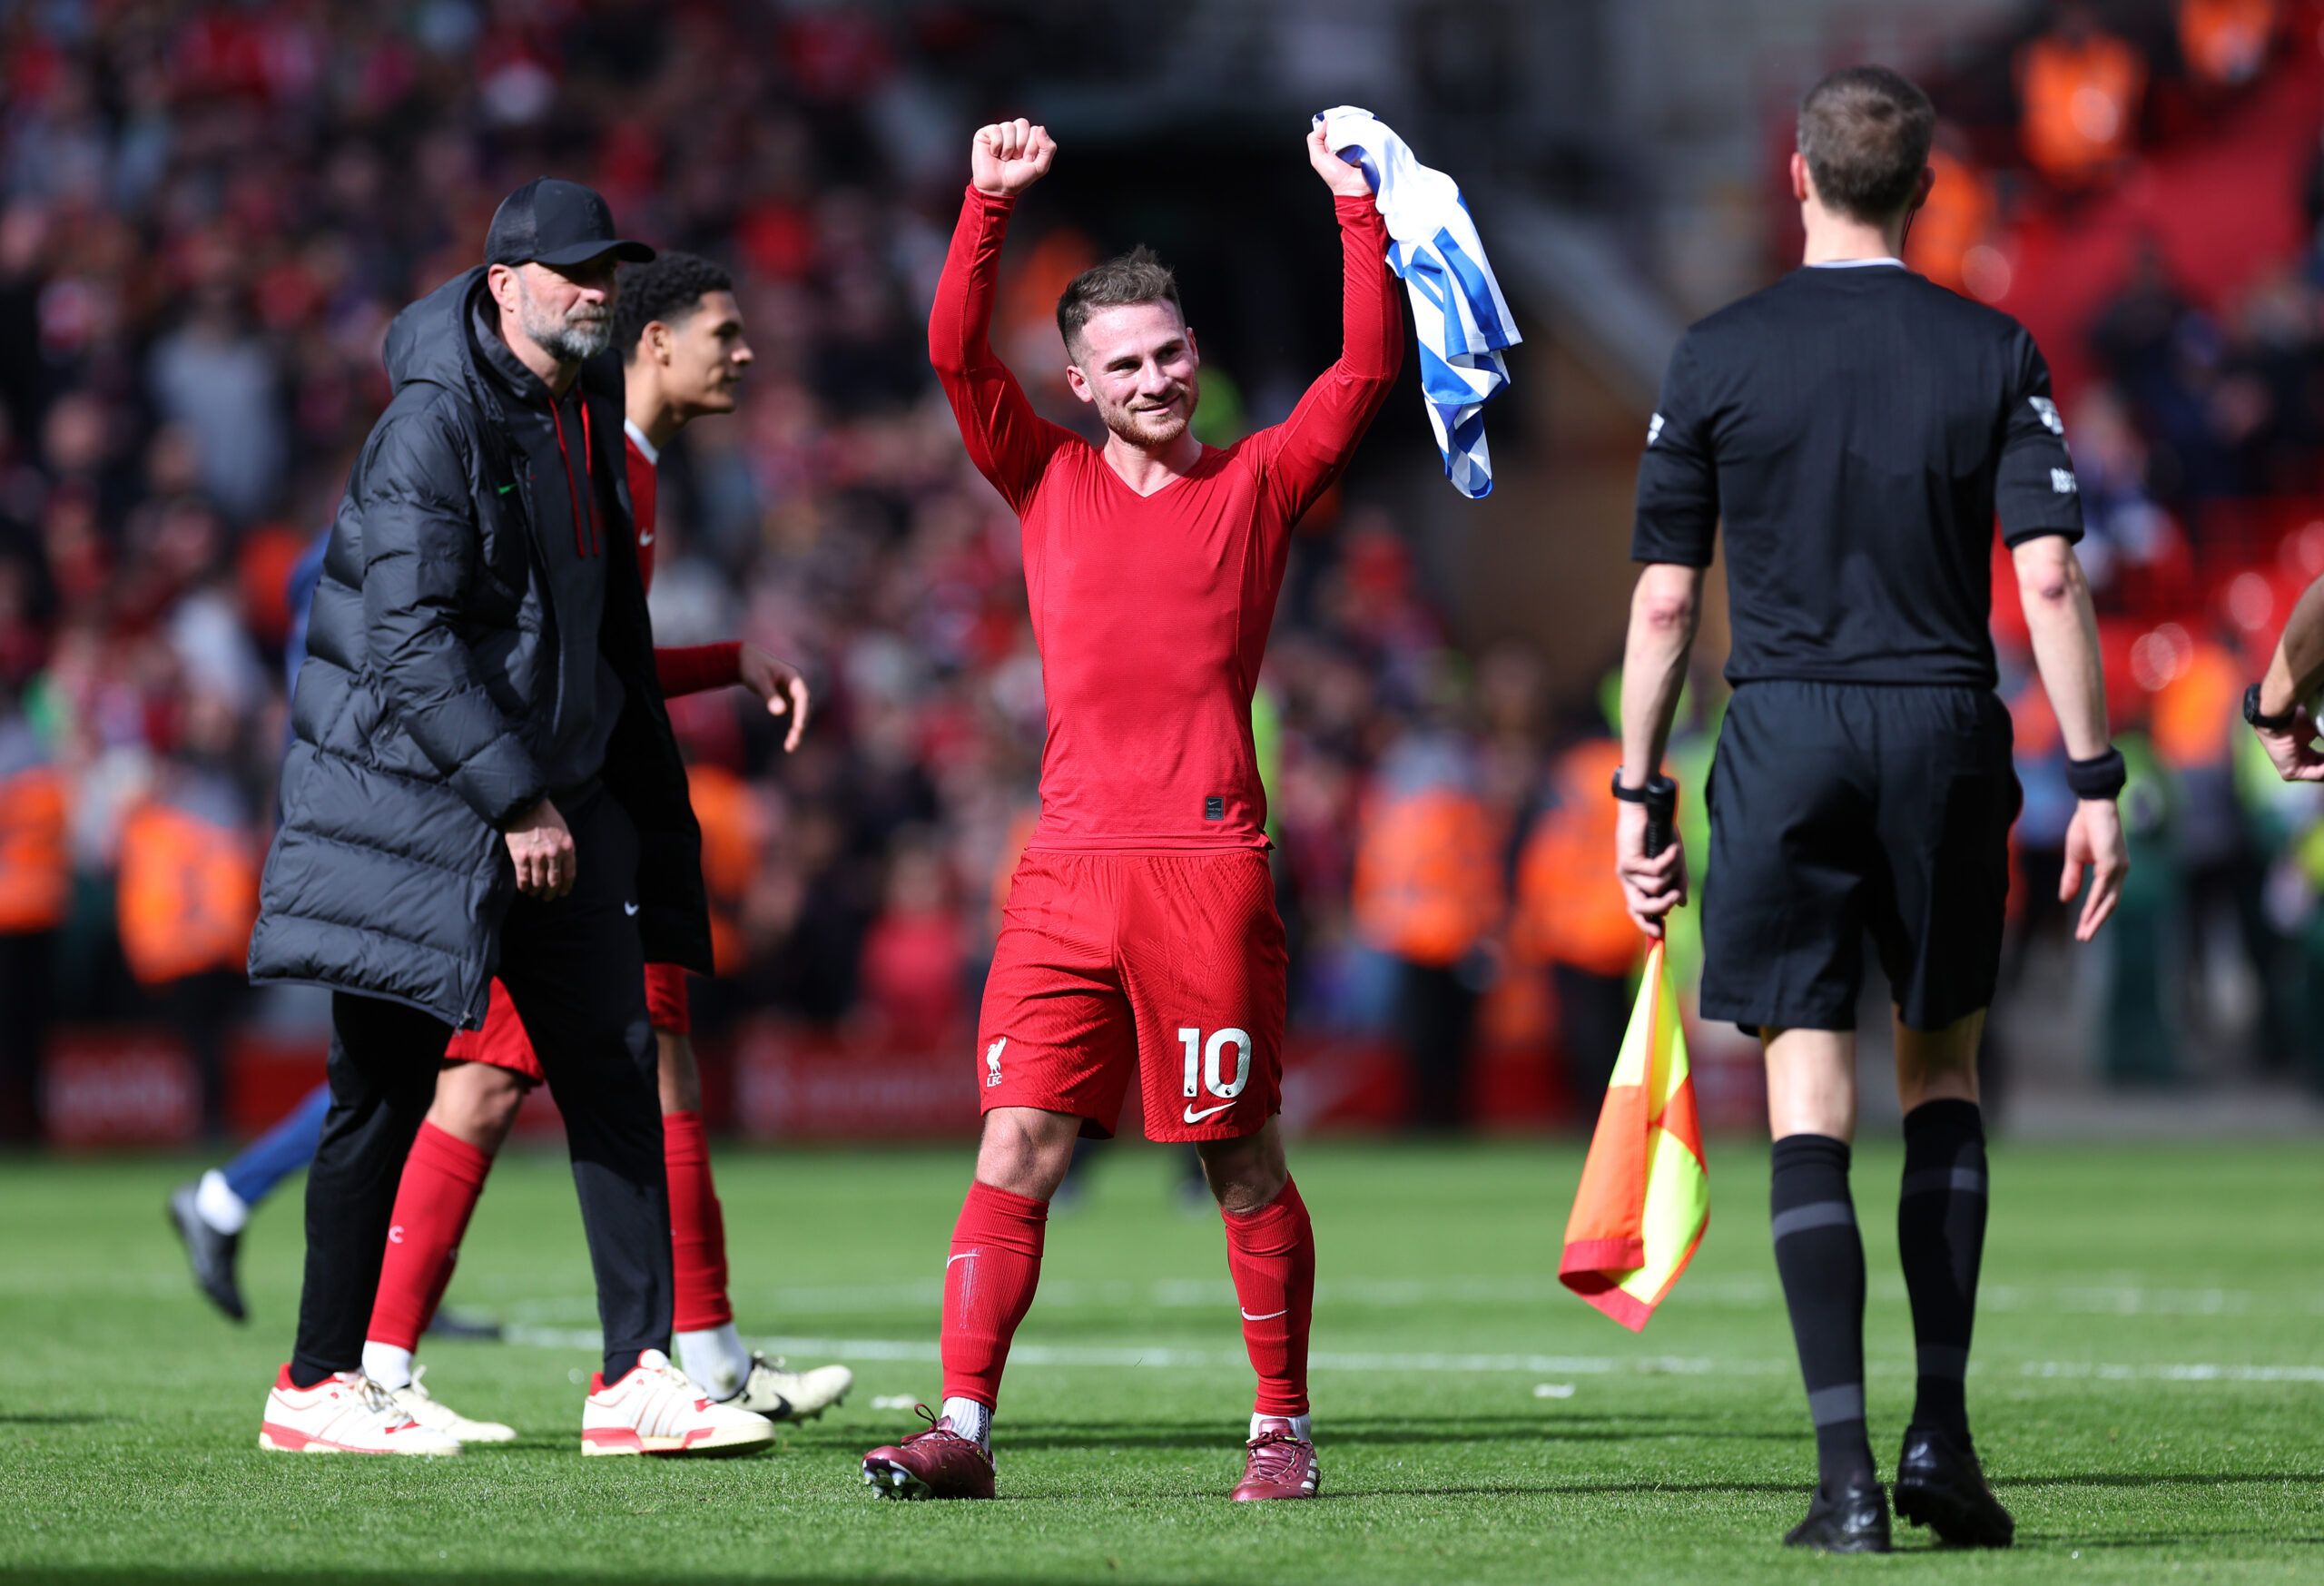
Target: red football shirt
(698,668)
(1152,611)
(642,477)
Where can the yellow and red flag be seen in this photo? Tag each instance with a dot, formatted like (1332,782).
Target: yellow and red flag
(1645,1195)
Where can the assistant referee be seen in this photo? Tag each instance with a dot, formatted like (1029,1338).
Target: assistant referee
(1858,429)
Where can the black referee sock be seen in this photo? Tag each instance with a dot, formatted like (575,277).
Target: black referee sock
(1941,1237)
(1820,1255)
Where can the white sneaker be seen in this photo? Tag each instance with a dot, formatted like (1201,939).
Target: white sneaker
(791,1396)
(656,1409)
(416,1402)
(344,1413)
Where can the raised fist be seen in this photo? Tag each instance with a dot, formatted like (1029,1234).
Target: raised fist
(1008,157)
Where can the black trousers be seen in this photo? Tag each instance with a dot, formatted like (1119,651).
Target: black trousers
(1593,1015)
(27,1002)
(1436,1015)
(203,1007)
(576,972)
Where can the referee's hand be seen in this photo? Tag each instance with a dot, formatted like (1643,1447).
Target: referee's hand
(2095,838)
(2293,751)
(1652,884)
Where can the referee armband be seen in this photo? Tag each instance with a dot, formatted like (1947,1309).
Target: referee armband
(2035,492)
(1676,518)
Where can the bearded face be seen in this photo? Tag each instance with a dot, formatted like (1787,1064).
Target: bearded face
(1150,422)
(580,330)
(1138,366)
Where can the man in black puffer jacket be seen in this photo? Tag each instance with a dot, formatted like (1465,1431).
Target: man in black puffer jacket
(484,782)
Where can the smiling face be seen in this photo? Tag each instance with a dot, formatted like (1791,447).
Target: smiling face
(1136,364)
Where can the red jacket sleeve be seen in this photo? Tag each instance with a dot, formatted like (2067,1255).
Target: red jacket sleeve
(1305,453)
(1008,441)
(698,668)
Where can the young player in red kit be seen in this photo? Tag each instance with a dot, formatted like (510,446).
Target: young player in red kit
(681,336)
(1141,935)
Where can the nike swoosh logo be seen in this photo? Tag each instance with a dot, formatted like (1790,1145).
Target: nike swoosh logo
(505,489)
(963,1255)
(645,539)
(1194,1117)
(630,910)
(1270,1317)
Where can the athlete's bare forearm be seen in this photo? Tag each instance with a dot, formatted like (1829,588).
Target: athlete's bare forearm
(1665,608)
(2064,631)
(2296,669)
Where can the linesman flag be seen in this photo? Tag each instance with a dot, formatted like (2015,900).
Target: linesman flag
(1645,1195)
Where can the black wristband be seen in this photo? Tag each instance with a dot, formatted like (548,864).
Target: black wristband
(1655,788)
(2099,777)
(2278,724)
(1660,797)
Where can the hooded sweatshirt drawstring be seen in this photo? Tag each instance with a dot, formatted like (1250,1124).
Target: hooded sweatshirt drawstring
(584,510)
(588,453)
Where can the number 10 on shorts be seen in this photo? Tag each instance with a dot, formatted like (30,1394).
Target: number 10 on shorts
(1202,1061)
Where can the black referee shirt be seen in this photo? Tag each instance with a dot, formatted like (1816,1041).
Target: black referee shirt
(1858,428)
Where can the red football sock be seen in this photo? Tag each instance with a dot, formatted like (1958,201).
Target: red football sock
(442,1180)
(1271,1254)
(988,1285)
(697,1228)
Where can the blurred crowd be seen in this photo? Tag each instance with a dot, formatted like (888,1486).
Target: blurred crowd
(2196,414)
(2188,402)
(210,214)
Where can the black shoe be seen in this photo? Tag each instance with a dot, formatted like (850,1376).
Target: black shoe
(453,1324)
(1940,1485)
(1851,1522)
(210,1253)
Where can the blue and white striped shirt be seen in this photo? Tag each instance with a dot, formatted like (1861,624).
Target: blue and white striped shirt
(1463,321)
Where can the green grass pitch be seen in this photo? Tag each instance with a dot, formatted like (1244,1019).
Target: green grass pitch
(2148,1386)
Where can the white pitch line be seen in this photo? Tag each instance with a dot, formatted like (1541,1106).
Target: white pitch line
(927,1295)
(2085,1370)
(923,1351)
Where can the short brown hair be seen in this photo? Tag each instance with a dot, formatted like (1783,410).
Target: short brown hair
(1865,133)
(1134,276)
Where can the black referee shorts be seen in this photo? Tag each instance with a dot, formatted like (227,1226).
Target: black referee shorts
(1837,809)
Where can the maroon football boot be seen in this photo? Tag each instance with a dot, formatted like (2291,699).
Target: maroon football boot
(1281,1464)
(936,1463)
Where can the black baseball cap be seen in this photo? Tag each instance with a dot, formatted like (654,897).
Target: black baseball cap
(549,221)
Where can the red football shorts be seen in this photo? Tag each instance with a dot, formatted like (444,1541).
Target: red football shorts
(666,999)
(502,1043)
(1169,966)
